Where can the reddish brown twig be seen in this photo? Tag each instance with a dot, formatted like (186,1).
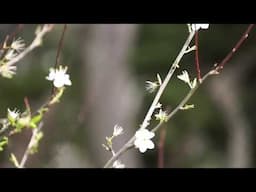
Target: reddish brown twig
(197,58)
(17,30)
(161,148)
(60,46)
(27,105)
(12,35)
(236,47)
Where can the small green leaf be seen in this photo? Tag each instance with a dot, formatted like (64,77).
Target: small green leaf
(187,106)
(35,120)
(3,142)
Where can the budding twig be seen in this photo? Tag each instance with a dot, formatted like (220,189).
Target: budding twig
(147,118)
(35,43)
(236,47)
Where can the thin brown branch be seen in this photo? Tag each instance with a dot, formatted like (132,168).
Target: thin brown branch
(197,57)
(27,105)
(60,46)
(13,34)
(161,148)
(236,47)
(16,31)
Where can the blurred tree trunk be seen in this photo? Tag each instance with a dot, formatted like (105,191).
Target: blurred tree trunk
(111,96)
(226,91)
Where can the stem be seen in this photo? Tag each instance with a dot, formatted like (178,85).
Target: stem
(155,101)
(161,149)
(31,142)
(197,57)
(166,80)
(237,46)
(12,35)
(36,42)
(215,71)
(60,45)
(58,51)
(185,100)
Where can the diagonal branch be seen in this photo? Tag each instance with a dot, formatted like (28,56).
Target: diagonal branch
(236,47)
(35,43)
(147,118)
(197,57)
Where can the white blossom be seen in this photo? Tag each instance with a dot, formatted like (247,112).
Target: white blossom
(151,86)
(59,77)
(196,27)
(12,115)
(18,45)
(185,77)
(8,70)
(118,164)
(142,140)
(161,116)
(118,130)
(10,55)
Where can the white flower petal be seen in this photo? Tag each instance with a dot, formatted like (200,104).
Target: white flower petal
(150,135)
(58,83)
(150,144)
(142,140)
(196,27)
(51,75)
(137,143)
(59,77)
(143,148)
(184,77)
(118,130)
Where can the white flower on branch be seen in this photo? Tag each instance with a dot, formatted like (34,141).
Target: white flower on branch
(10,55)
(196,27)
(8,71)
(142,140)
(185,77)
(151,86)
(158,105)
(118,130)
(161,116)
(18,45)
(59,77)
(13,114)
(118,164)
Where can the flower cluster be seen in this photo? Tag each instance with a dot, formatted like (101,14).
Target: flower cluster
(10,52)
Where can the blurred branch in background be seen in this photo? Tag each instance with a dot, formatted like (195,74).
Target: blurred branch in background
(226,91)
(112,96)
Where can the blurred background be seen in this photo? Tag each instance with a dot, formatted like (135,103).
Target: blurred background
(109,64)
